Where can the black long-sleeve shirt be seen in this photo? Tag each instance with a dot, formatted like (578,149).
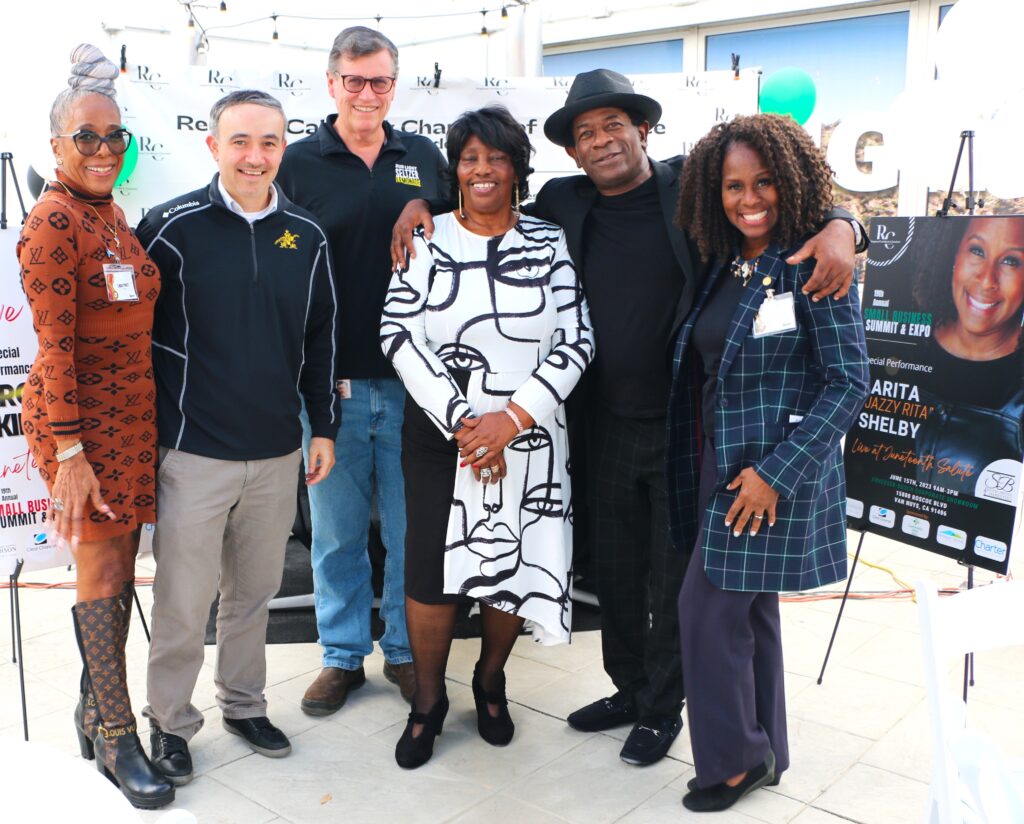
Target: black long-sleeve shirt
(244,327)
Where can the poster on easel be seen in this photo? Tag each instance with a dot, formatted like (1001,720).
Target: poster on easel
(934,457)
(24,501)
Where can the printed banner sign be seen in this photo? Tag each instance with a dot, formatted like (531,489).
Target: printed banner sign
(934,458)
(167,109)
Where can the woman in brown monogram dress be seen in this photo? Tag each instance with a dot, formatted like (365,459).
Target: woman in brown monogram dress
(88,412)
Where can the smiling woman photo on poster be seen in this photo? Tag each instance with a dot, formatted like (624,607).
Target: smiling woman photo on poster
(971,280)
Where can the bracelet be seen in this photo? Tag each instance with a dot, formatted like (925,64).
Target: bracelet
(515,420)
(70,452)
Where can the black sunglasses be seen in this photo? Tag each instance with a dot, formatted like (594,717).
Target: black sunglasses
(88,142)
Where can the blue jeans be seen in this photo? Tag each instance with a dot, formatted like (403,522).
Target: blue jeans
(369,458)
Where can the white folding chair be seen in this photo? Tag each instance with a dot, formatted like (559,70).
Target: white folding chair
(971,781)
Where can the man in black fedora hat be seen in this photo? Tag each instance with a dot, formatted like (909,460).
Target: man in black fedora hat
(640,276)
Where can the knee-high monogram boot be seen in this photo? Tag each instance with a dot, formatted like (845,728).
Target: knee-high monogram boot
(108,729)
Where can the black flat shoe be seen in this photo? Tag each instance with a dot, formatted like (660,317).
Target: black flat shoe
(413,752)
(497,731)
(650,740)
(722,796)
(692,783)
(604,714)
(169,754)
(261,736)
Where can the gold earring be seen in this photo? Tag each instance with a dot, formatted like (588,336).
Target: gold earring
(462,212)
(515,196)
(60,161)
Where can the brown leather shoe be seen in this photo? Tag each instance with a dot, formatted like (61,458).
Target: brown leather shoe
(404,675)
(329,691)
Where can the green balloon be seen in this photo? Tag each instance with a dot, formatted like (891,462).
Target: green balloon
(789,91)
(131,158)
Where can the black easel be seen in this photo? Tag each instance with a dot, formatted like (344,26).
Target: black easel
(842,605)
(966,139)
(7,166)
(16,654)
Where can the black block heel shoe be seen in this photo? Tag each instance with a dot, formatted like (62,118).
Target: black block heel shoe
(415,752)
(497,731)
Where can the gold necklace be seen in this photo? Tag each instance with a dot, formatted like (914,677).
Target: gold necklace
(109,228)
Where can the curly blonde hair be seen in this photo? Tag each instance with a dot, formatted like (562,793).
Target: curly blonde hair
(802,178)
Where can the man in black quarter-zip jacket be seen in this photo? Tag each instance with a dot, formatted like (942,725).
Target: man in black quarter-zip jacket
(243,335)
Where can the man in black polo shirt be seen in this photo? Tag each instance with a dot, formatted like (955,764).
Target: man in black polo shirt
(355,174)
(640,278)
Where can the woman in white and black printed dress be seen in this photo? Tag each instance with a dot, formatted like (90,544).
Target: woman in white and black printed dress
(489,331)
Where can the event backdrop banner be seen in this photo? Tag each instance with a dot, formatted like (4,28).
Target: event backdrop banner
(168,111)
(934,458)
(24,501)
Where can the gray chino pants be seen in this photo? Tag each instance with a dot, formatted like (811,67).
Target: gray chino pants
(222,526)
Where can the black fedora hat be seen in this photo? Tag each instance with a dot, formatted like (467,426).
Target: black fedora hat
(596,90)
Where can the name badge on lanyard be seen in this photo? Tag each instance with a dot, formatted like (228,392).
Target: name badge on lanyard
(120,281)
(776,315)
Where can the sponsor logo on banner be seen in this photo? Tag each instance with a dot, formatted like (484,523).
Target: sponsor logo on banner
(854,508)
(918,527)
(951,536)
(999,481)
(290,83)
(149,77)
(222,81)
(151,148)
(882,516)
(990,548)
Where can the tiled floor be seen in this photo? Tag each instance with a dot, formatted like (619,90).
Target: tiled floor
(859,741)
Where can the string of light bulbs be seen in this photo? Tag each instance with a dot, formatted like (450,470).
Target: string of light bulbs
(193,20)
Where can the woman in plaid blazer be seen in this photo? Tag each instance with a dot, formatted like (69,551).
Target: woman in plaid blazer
(755,473)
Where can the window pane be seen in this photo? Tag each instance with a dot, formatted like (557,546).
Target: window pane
(858,64)
(642,58)
(942,12)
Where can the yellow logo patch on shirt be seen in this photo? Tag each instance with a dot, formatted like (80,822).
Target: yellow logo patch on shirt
(287,241)
(409,175)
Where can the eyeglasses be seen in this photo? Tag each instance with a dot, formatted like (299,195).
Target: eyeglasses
(88,142)
(354,83)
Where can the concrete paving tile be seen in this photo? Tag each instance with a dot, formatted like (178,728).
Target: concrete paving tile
(812,815)
(893,653)
(589,784)
(857,702)
(571,691)
(583,651)
(819,756)
(873,796)
(805,636)
(212,803)
(906,748)
(501,809)
(336,774)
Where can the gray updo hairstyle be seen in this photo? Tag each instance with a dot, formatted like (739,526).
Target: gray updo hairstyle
(91,73)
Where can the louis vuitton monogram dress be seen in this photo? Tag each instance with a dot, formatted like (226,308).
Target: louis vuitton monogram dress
(93,374)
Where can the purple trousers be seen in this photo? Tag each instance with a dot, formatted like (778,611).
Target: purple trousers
(731,646)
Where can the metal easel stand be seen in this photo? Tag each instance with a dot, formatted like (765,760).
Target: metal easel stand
(7,167)
(966,139)
(842,606)
(17,657)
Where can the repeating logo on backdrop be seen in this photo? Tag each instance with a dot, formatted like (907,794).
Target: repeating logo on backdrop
(999,481)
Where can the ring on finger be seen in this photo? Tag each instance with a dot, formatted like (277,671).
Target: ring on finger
(485,474)
(759,517)
(481,451)
(58,505)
